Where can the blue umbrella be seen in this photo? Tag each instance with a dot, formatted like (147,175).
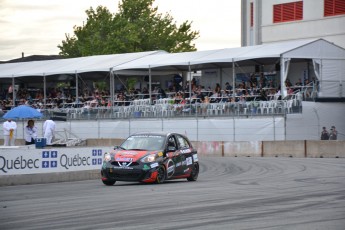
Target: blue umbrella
(22,112)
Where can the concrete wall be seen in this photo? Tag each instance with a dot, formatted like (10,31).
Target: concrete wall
(302,148)
(8,180)
(325,149)
(283,148)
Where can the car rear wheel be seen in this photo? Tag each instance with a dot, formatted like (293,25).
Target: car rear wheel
(195,172)
(161,176)
(109,182)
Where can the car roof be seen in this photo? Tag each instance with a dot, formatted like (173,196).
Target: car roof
(162,133)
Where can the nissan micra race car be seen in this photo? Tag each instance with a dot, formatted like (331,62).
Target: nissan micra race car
(151,158)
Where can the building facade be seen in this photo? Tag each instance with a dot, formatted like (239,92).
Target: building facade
(281,20)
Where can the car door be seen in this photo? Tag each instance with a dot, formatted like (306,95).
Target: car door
(185,152)
(174,163)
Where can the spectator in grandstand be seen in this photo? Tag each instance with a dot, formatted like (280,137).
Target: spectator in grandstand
(253,81)
(289,91)
(324,134)
(333,134)
(263,95)
(30,133)
(308,89)
(288,83)
(9,128)
(217,89)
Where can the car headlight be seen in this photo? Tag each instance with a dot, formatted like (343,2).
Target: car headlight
(107,157)
(149,158)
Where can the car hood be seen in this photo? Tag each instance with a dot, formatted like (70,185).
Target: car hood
(130,155)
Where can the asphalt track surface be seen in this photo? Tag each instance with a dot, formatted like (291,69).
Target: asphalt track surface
(231,193)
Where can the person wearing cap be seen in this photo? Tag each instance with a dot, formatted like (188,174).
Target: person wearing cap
(333,133)
(9,128)
(324,134)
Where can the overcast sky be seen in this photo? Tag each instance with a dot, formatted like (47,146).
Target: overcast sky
(36,27)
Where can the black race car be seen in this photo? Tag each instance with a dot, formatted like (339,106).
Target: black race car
(151,158)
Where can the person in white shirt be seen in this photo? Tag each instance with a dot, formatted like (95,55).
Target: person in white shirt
(9,128)
(30,133)
(49,131)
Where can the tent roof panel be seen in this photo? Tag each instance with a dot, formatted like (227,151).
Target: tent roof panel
(163,61)
(71,65)
(168,61)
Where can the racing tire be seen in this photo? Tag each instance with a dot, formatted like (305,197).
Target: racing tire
(195,172)
(109,182)
(161,175)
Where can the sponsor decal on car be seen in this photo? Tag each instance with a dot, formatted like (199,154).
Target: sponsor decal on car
(185,151)
(150,136)
(186,170)
(189,160)
(129,153)
(170,168)
(195,157)
(122,167)
(124,159)
(146,167)
(154,165)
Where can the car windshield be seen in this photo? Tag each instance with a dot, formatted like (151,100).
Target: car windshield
(144,142)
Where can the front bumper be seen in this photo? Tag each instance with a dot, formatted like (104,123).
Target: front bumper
(136,173)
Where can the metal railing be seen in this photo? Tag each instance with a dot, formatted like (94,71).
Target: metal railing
(165,108)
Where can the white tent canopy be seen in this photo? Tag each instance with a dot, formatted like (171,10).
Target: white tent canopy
(69,66)
(321,52)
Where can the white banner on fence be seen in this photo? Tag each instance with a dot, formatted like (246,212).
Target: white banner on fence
(32,161)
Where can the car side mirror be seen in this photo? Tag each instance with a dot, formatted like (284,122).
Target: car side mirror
(171,148)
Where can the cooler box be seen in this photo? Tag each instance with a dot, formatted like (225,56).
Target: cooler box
(41,142)
(137,114)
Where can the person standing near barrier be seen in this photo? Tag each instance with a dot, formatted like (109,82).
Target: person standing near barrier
(10,128)
(30,133)
(324,134)
(333,134)
(49,130)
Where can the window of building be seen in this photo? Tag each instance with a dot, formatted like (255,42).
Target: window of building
(286,12)
(334,7)
(251,14)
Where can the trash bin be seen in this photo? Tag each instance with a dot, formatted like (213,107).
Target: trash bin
(41,142)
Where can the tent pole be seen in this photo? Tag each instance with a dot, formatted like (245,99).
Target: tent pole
(44,91)
(282,81)
(111,88)
(13,93)
(233,79)
(150,85)
(221,77)
(76,88)
(190,88)
(190,83)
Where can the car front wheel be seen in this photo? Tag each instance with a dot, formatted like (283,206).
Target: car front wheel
(195,172)
(109,182)
(161,175)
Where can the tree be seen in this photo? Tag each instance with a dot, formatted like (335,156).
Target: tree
(136,27)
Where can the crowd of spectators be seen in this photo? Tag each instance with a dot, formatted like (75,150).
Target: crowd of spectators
(255,88)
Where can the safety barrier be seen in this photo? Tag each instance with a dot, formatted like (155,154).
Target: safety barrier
(28,165)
